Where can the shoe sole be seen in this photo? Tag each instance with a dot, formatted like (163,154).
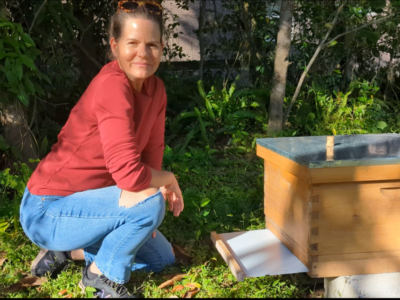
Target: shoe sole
(36,261)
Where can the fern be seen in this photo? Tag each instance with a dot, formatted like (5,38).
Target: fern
(202,126)
(245,114)
(259,93)
(201,89)
(189,137)
(209,109)
(180,117)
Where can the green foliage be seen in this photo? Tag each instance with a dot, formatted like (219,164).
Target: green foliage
(357,111)
(12,187)
(222,112)
(19,77)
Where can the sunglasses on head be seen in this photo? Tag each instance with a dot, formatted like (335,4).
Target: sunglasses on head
(132,5)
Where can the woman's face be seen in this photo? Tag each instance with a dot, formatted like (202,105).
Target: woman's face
(139,49)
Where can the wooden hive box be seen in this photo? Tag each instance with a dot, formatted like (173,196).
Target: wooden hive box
(338,216)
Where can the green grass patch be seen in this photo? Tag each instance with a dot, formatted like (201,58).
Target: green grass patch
(223,194)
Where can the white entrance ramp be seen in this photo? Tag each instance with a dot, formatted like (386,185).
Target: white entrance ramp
(258,253)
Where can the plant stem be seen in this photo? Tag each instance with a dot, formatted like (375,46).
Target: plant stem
(36,15)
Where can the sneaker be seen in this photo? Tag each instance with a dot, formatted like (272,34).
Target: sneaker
(105,288)
(49,263)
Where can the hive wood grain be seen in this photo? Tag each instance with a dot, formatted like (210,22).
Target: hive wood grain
(228,255)
(338,221)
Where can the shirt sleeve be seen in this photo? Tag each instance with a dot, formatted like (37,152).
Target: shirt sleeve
(113,107)
(152,154)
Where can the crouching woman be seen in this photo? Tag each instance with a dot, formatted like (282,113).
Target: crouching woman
(99,195)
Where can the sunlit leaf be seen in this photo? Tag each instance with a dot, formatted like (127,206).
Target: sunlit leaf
(193,285)
(204,202)
(381,125)
(333,43)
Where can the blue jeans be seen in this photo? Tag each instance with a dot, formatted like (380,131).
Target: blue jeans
(117,239)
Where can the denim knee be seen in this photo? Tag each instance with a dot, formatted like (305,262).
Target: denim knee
(152,210)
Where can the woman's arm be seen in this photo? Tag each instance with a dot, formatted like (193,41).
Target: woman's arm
(152,153)
(152,156)
(169,186)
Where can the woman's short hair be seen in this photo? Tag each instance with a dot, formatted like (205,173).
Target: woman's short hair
(120,16)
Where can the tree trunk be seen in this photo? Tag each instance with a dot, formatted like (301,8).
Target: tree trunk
(280,68)
(390,77)
(17,133)
(350,58)
(245,59)
(201,37)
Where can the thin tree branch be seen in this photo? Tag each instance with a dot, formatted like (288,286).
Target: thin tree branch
(94,22)
(321,46)
(201,37)
(303,76)
(36,15)
(58,104)
(33,114)
(87,54)
(358,28)
(230,69)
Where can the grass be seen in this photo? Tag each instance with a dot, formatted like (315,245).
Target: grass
(222,194)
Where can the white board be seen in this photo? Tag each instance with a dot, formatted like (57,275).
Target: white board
(260,253)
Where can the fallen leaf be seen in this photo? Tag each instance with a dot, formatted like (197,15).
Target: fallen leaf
(177,288)
(171,281)
(14,288)
(169,276)
(191,293)
(62,292)
(33,281)
(20,274)
(181,250)
(68,296)
(193,285)
(2,257)
(180,255)
(24,283)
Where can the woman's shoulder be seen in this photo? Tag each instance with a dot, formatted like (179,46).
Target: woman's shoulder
(155,85)
(108,72)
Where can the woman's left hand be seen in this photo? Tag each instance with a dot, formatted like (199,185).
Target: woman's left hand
(173,193)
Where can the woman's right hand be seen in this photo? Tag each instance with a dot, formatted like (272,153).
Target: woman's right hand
(173,193)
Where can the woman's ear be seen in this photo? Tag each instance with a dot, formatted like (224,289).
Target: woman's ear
(114,47)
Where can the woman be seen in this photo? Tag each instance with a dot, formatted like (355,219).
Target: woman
(99,194)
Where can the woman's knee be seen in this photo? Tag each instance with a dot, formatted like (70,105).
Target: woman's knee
(129,199)
(149,205)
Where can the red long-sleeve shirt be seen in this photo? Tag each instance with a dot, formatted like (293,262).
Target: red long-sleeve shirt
(112,137)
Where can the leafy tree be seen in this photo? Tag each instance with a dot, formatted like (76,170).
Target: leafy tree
(20,84)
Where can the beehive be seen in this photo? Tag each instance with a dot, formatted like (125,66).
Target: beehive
(338,216)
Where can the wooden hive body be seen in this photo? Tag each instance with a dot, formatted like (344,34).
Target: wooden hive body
(338,221)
